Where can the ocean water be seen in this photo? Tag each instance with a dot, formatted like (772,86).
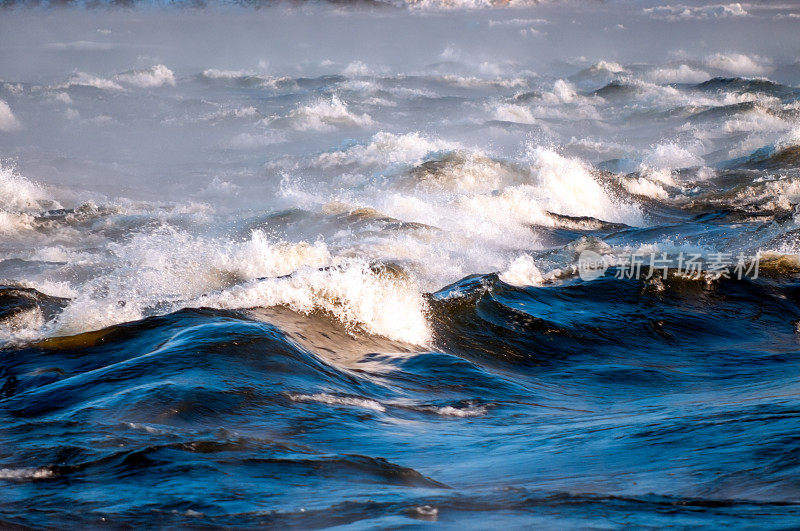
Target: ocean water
(398,265)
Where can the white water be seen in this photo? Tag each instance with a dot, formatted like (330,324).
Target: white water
(317,142)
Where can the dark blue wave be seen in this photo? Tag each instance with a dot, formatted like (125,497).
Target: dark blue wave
(206,417)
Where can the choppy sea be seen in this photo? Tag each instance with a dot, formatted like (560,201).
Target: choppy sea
(306,265)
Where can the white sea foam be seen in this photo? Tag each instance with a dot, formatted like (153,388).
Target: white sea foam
(563,92)
(249,77)
(15,222)
(22,326)
(156,76)
(8,122)
(20,195)
(608,66)
(451,411)
(237,113)
(63,97)
(562,103)
(518,22)
(334,400)
(471,172)
(360,298)
(644,187)
(82,79)
(790,138)
(475,82)
(522,271)
(739,64)
(173,267)
(443,5)
(670,155)
(782,194)
(511,112)
(677,74)
(385,148)
(758,120)
(603,70)
(26,473)
(213,73)
(478,208)
(357,68)
(326,115)
(567,186)
(685,12)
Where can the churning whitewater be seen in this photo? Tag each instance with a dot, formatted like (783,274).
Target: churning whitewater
(314,265)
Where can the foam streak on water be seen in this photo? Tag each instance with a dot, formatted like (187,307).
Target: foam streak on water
(317,265)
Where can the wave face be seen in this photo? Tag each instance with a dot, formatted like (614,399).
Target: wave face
(327,265)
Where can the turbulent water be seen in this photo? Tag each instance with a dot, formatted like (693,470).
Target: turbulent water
(309,266)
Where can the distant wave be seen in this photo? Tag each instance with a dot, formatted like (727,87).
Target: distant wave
(257,4)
